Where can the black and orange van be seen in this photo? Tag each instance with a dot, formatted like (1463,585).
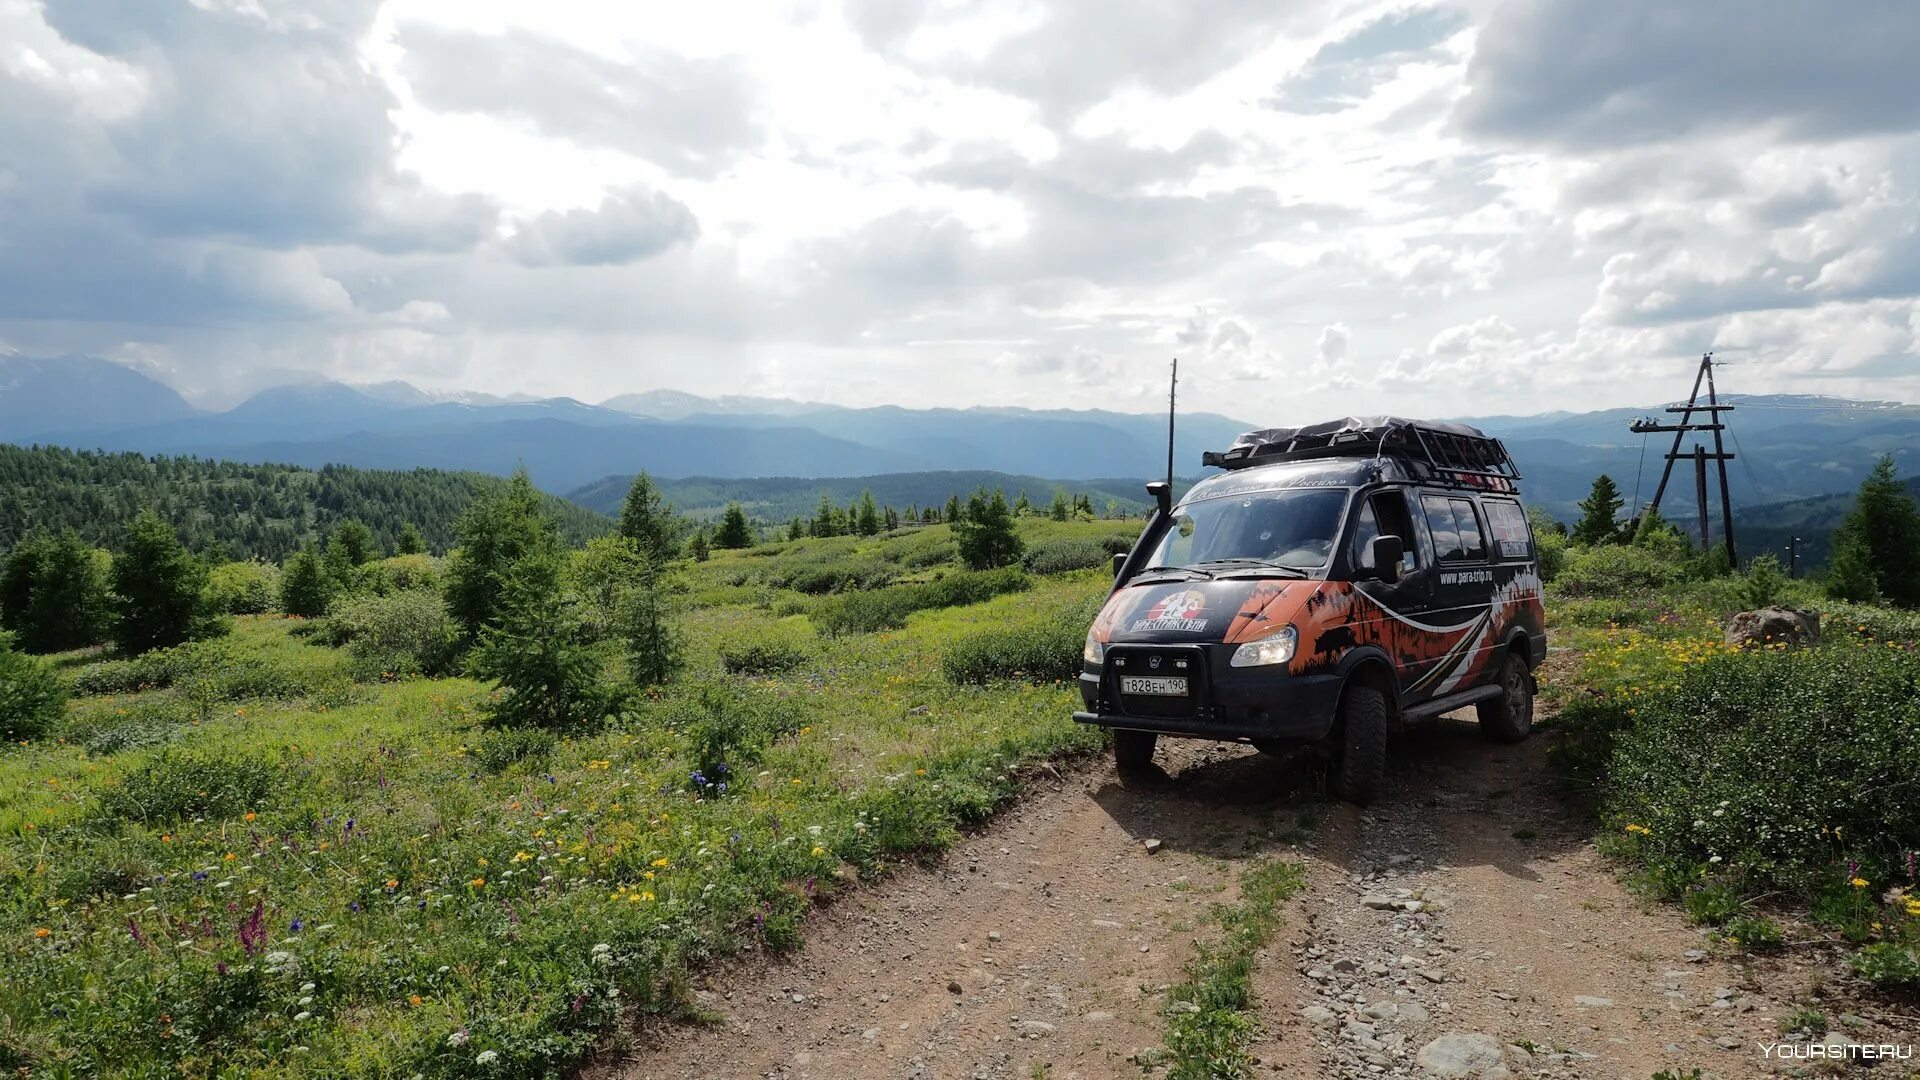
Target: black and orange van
(1332,584)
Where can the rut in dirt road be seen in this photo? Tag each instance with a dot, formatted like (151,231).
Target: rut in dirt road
(1462,926)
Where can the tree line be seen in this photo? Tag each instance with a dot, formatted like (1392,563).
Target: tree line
(230,510)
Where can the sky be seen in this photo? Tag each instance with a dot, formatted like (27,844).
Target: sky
(1321,208)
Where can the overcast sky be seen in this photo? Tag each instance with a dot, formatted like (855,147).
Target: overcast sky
(1323,209)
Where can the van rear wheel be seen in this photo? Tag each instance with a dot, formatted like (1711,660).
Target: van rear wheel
(1509,717)
(1362,769)
(1133,750)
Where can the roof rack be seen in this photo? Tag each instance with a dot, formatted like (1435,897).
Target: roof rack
(1437,452)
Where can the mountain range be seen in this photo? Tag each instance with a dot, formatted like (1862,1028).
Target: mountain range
(1789,447)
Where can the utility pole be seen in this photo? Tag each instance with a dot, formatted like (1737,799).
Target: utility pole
(1793,556)
(1715,422)
(1172,389)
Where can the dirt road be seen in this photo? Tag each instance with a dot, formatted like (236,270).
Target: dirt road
(1461,926)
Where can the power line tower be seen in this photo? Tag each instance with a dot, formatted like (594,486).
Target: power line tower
(1715,422)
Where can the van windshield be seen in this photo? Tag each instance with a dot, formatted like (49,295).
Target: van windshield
(1294,528)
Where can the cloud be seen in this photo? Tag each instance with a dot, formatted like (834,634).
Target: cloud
(1595,73)
(690,116)
(1343,72)
(1332,343)
(628,226)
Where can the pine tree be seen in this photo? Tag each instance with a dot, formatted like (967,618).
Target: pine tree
(1022,506)
(498,530)
(159,590)
(1656,534)
(734,531)
(53,594)
(1597,513)
(986,535)
(538,648)
(351,544)
(1885,522)
(867,518)
(1060,510)
(796,529)
(410,541)
(823,517)
(305,586)
(1850,573)
(952,512)
(890,518)
(652,643)
(647,520)
(698,546)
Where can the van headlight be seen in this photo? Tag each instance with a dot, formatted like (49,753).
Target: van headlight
(1095,652)
(1277,649)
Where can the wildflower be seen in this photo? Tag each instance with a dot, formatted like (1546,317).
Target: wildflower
(1858,883)
(229,857)
(1913,908)
(478,883)
(486,1057)
(298,926)
(251,815)
(661,861)
(42,932)
(393,883)
(1632,828)
(301,1016)
(818,851)
(646,896)
(458,1038)
(414,1000)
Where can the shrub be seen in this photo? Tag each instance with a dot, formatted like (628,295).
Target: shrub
(243,588)
(406,633)
(1710,904)
(940,552)
(1060,556)
(764,652)
(32,698)
(1762,759)
(305,587)
(173,786)
(833,577)
(141,724)
(888,608)
(401,573)
(501,748)
(1870,622)
(1763,583)
(1550,548)
(1043,648)
(1754,933)
(1611,570)
(1889,965)
(728,730)
(148,672)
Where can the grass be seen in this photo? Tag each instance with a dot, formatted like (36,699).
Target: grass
(315,877)
(1208,1026)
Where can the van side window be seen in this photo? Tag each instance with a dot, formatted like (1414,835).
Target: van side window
(1512,538)
(1471,543)
(1446,534)
(1385,514)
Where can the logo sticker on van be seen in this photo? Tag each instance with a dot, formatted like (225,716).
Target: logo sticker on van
(1467,577)
(1175,611)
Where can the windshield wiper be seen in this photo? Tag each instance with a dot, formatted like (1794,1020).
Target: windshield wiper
(1259,564)
(1153,570)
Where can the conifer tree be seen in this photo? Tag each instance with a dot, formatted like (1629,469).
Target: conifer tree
(538,646)
(986,535)
(159,590)
(734,532)
(647,520)
(1597,513)
(866,519)
(305,586)
(796,529)
(410,541)
(1885,523)
(498,529)
(53,594)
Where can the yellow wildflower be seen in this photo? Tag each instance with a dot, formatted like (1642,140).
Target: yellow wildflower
(819,851)
(1858,883)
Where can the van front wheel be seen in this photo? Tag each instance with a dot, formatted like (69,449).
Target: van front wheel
(1362,769)
(1133,750)
(1509,717)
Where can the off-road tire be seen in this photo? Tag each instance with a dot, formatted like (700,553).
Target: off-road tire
(1360,773)
(1133,750)
(1509,717)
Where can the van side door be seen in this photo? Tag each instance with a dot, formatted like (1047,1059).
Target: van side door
(1404,604)
(1463,586)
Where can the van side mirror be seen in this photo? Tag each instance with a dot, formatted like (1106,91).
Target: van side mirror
(1162,493)
(1119,560)
(1386,553)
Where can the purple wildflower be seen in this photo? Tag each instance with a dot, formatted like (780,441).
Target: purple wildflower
(297,925)
(253,932)
(133,928)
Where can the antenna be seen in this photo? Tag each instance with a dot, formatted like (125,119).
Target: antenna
(1172,389)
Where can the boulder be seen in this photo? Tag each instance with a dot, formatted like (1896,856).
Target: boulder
(1463,1054)
(1774,625)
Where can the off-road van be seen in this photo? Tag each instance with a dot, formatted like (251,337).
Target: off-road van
(1332,584)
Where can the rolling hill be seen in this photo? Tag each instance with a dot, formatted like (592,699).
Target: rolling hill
(782,498)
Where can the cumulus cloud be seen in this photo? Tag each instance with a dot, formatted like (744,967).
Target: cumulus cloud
(1343,72)
(690,116)
(1598,73)
(628,226)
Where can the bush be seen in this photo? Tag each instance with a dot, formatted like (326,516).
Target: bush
(1044,648)
(1550,548)
(501,748)
(32,698)
(728,730)
(849,575)
(1774,762)
(406,633)
(888,608)
(243,588)
(1754,933)
(401,573)
(1060,556)
(1763,583)
(1889,965)
(174,786)
(1611,571)
(764,652)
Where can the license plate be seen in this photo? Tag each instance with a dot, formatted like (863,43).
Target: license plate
(1154,686)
